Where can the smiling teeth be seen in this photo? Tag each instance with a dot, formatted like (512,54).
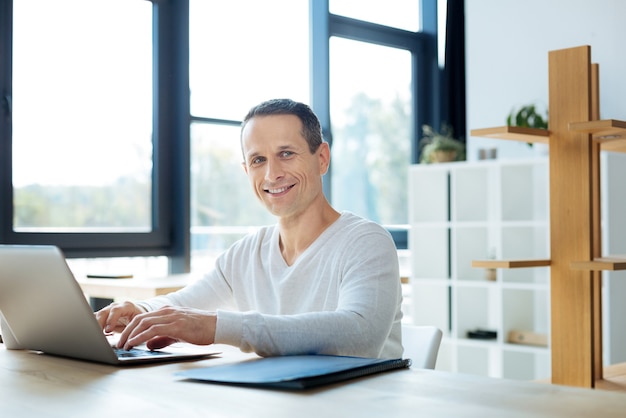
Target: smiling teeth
(274,191)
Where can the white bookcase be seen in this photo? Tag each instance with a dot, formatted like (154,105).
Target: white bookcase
(464,211)
(613,205)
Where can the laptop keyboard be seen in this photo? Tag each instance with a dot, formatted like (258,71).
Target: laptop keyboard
(135,352)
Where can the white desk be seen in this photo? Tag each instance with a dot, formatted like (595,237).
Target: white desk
(33,385)
(134,288)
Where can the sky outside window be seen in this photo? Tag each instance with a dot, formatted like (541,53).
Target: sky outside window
(82,113)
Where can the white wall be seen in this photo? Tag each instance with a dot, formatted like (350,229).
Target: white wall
(507,45)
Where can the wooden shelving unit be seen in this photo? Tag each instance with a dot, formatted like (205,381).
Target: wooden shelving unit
(575,138)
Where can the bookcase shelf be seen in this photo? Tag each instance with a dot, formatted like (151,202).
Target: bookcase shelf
(481,210)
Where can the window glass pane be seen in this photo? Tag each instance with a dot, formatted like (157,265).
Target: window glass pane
(223,204)
(243,52)
(401,14)
(371,128)
(82,115)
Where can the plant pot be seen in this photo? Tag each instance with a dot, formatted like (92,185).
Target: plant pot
(440,156)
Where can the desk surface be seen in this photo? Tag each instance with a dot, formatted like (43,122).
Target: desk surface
(134,288)
(39,385)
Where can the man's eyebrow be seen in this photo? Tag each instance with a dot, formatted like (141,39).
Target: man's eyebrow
(252,154)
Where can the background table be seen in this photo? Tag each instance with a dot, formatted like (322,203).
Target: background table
(101,292)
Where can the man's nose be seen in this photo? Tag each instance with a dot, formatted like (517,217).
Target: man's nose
(273,170)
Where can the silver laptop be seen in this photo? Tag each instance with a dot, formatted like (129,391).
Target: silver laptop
(43,308)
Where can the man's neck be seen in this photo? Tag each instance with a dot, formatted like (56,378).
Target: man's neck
(296,235)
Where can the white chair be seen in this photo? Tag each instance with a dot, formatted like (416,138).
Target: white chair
(421,345)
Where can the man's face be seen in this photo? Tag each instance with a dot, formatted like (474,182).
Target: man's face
(284,174)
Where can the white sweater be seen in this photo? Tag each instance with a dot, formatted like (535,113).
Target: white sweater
(341,296)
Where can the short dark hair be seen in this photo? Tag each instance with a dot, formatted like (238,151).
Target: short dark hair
(311,127)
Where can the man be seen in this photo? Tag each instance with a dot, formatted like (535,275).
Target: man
(318,282)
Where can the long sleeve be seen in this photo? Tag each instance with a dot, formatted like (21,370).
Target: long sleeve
(341,296)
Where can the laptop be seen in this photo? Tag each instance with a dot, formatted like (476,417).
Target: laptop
(43,308)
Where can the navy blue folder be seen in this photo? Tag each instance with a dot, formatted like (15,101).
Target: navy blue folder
(294,372)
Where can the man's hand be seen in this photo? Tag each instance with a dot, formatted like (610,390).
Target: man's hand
(116,316)
(166,326)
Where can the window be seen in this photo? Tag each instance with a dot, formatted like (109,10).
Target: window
(84,168)
(82,116)
(382,79)
(223,206)
(371,129)
(164,85)
(401,14)
(237,60)
(243,52)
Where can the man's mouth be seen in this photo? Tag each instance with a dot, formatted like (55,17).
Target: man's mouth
(278,190)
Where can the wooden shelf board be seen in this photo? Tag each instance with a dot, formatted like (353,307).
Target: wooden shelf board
(611,133)
(603,263)
(600,128)
(509,264)
(514,133)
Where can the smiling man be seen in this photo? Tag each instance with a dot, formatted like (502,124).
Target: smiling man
(318,282)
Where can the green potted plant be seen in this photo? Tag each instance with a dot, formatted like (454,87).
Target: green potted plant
(528,117)
(438,147)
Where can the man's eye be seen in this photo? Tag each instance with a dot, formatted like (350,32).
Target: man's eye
(256,160)
(286,154)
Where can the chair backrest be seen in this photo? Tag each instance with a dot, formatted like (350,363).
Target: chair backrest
(421,345)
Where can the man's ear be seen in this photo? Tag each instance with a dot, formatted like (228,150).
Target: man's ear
(324,151)
(245,166)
